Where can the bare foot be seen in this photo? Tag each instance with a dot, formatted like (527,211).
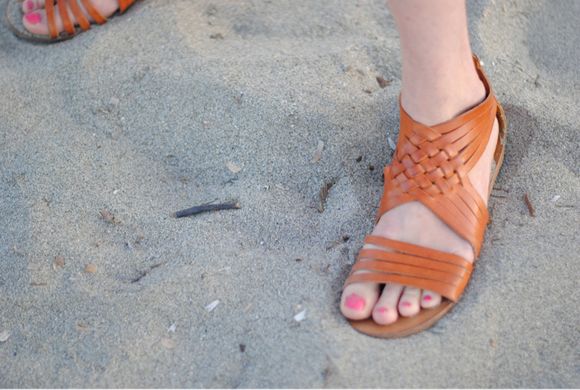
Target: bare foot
(416,224)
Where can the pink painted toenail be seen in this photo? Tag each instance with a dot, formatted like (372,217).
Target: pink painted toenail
(33,18)
(355,302)
(427,298)
(30,5)
(406,304)
(382,310)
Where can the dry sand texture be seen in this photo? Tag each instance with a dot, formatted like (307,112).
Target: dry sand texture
(159,109)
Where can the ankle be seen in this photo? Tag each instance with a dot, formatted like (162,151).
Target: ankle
(444,99)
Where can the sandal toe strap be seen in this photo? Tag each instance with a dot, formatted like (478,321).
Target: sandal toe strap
(68,24)
(411,265)
(77,12)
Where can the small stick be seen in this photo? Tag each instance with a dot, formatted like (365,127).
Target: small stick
(323,194)
(206,207)
(531,209)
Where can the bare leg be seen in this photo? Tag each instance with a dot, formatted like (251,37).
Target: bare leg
(439,82)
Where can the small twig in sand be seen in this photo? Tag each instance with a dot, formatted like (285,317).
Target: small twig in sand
(109,217)
(531,209)
(146,272)
(333,244)
(382,82)
(323,194)
(207,207)
(318,152)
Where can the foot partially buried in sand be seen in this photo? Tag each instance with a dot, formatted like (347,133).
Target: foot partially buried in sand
(416,224)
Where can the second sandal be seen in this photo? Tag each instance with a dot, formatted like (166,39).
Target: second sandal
(13,16)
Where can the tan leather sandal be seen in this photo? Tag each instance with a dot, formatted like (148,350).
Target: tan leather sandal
(430,165)
(13,19)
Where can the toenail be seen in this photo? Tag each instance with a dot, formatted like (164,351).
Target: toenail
(33,18)
(382,310)
(30,5)
(406,304)
(355,302)
(427,298)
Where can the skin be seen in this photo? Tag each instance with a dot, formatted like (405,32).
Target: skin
(35,21)
(439,82)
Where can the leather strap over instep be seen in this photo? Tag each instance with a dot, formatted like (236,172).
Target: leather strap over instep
(431,163)
(77,10)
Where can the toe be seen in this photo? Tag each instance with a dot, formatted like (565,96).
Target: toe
(358,300)
(430,299)
(31,5)
(409,302)
(36,22)
(385,311)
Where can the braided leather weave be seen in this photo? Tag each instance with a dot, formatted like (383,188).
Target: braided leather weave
(430,165)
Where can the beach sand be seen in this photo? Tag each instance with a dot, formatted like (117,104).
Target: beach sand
(180,103)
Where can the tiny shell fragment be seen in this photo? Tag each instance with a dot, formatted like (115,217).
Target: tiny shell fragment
(318,152)
(234,168)
(212,305)
(90,268)
(167,343)
(300,316)
(58,263)
(4,336)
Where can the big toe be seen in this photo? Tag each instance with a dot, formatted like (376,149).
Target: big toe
(36,22)
(358,300)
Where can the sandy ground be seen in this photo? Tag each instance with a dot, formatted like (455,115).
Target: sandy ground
(141,118)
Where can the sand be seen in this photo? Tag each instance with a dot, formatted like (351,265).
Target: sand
(148,115)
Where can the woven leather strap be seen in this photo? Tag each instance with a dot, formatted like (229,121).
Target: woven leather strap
(79,15)
(430,165)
